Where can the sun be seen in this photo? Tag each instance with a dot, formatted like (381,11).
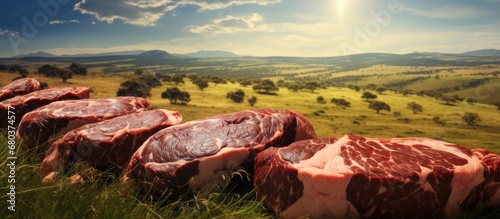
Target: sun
(340,8)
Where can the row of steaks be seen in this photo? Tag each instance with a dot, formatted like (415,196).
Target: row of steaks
(295,173)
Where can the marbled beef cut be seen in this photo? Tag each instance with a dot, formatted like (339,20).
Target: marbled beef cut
(42,125)
(23,104)
(196,154)
(106,145)
(357,177)
(19,87)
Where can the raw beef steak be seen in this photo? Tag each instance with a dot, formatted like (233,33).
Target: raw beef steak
(28,102)
(108,144)
(357,177)
(56,119)
(19,87)
(196,154)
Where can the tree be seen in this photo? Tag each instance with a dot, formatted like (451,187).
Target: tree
(201,83)
(341,102)
(245,83)
(293,87)
(217,80)
(65,74)
(312,85)
(171,94)
(237,96)
(266,85)
(133,88)
(174,94)
(184,97)
(321,100)
(415,107)
(149,80)
(471,118)
(50,71)
(368,96)
(448,100)
(252,100)
(381,90)
(77,69)
(177,79)
(379,105)
(471,100)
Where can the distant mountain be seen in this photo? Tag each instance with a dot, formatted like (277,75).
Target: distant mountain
(154,54)
(483,52)
(36,54)
(133,52)
(212,54)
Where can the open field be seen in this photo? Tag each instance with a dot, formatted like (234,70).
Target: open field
(104,199)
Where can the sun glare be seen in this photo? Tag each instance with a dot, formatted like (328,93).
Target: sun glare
(340,8)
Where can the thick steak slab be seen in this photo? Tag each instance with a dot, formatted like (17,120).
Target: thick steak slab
(28,102)
(19,87)
(56,119)
(193,155)
(108,144)
(357,177)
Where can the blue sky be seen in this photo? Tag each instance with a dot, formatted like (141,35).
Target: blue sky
(249,27)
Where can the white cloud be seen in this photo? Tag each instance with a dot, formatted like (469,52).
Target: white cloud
(296,38)
(231,24)
(448,12)
(62,22)
(6,32)
(147,13)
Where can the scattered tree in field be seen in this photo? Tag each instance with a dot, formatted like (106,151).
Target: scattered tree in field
(266,85)
(252,100)
(321,99)
(406,92)
(354,87)
(471,118)
(415,107)
(367,95)
(217,80)
(281,83)
(133,88)
(77,69)
(175,95)
(381,90)
(312,85)
(471,100)
(438,120)
(293,87)
(52,71)
(65,74)
(379,105)
(201,83)
(245,83)
(341,102)
(150,80)
(448,100)
(458,98)
(396,114)
(178,79)
(23,73)
(237,96)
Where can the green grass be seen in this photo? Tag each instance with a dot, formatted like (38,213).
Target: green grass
(107,200)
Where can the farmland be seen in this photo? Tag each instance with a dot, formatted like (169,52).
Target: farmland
(479,80)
